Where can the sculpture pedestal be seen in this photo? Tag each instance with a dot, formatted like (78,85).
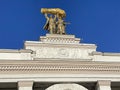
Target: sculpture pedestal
(57,47)
(59,39)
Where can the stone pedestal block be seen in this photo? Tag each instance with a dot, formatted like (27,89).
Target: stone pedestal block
(25,85)
(103,85)
(65,47)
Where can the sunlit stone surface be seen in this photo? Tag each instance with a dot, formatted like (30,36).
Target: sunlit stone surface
(59,62)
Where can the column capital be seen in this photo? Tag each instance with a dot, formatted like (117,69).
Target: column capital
(25,83)
(104,82)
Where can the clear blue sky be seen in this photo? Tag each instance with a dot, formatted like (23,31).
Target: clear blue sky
(94,21)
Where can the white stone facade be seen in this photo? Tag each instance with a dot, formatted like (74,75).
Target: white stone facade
(57,47)
(59,62)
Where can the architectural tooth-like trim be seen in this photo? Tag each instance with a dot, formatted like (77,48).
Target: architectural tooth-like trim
(60,39)
(36,43)
(47,66)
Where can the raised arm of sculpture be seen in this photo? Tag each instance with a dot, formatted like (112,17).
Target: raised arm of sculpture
(55,17)
(46,16)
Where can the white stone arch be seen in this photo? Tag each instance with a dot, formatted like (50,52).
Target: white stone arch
(66,87)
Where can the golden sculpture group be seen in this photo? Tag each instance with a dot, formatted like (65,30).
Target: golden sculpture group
(55,23)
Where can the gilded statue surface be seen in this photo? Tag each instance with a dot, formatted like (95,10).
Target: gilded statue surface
(54,20)
(50,24)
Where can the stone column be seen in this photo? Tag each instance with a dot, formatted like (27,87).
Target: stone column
(103,85)
(25,85)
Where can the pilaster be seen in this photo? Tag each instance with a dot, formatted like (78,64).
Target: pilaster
(25,85)
(103,85)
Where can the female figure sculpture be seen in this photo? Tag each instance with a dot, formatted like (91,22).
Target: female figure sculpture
(56,24)
(60,26)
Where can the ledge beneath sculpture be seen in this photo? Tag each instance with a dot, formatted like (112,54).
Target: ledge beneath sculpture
(59,39)
(55,46)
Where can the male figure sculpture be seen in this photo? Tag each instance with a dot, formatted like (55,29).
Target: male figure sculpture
(56,24)
(50,24)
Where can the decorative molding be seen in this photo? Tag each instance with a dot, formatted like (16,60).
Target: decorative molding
(15,51)
(59,39)
(104,54)
(60,46)
(55,40)
(59,66)
(47,52)
(40,44)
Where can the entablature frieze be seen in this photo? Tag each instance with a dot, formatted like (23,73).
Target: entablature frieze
(59,67)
